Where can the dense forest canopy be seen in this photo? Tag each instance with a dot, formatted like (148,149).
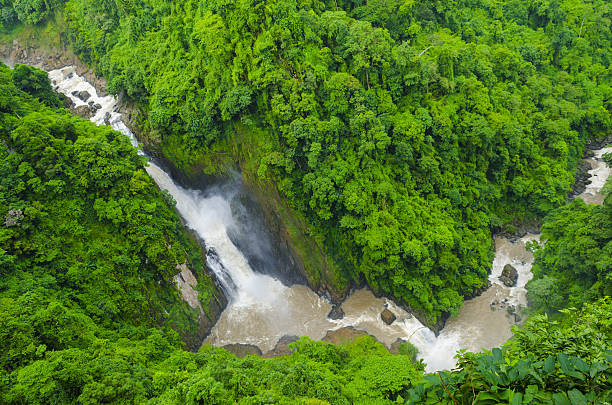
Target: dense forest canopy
(574,265)
(85,254)
(88,245)
(404,132)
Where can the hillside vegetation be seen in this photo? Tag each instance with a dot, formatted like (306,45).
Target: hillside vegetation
(88,244)
(403,132)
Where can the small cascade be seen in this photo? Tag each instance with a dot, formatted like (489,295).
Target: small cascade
(599,173)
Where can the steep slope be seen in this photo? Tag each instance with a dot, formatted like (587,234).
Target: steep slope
(88,243)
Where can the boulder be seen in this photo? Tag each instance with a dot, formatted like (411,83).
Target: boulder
(509,276)
(84,111)
(387,316)
(395,346)
(282,346)
(242,349)
(83,95)
(343,335)
(68,103)
(336,313)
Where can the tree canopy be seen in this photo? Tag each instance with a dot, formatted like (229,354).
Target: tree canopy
(402,132)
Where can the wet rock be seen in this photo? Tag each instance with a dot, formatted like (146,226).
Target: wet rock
(336,313)
(242,349)
(343,335)
(84,111)
(68,103)
(509,276)
(282,346)
(107,118)
(387,316)
(582,178)
(83,95)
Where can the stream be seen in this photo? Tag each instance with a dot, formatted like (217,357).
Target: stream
(261,309)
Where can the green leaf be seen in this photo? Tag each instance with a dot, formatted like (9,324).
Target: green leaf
(576,397)
(517,398)
(560,398)
(596,368)
(549,365)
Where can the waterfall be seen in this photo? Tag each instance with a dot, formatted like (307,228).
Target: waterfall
(261,309)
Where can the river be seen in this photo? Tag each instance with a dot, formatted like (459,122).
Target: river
(261,309)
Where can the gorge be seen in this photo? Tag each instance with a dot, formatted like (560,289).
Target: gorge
(310,202)
(261,309)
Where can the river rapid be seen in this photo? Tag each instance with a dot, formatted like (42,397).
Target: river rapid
(261,309)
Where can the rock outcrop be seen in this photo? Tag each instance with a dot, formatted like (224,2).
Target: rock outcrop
(509,276)
(336,313)
(343,335)
(387,316)
(83,111)
(282,346)
(186,283)
(31,54)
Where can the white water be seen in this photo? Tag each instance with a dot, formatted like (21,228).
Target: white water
(261,309)
(599,174)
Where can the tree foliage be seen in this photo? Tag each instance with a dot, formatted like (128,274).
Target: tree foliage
(574,265)
(404,132)
(89,246)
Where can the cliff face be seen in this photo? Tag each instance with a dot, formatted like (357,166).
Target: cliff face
(203,302)
(293,239)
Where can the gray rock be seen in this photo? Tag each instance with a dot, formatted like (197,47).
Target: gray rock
(282,346)
(509,276)
(84,111)
(83,95)
(387,316)
(336,313)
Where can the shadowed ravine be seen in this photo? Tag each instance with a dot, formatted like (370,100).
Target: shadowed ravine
(262,309)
